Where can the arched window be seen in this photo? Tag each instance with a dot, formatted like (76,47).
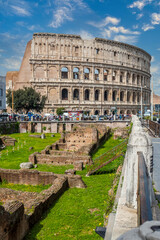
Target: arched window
(106,95)
(134,97)
(105,75)
(96,112)
(133,79)
(86,73)
(128,96)
(97,95)
(96,73)
(138,97)
(114,94)
(141,80)
(75,73)
(106,112)
(64,94)
(76,94)
(64,73)
(128,77)
(86,95)
(138,79)
(128,112)
(121,77)
(122,96)
(114,75)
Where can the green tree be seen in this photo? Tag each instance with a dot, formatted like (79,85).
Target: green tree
(26,99)
(60,111)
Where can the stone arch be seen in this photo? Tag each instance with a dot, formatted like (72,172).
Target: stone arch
(97,95)
(96,112)
(134,97)
(134,112)
(128,111)
(133,78)
(114,73)
(114,95)
(64,72)
(86,73)
(106,112)
(76,94)
(121,77)
(96,74)
(128,96)
(128,77)
(121,111)
(122,96)
(52,73)
(64,94)
(75,73)
(39,72)
(105,74)
(106,95)
(86,95)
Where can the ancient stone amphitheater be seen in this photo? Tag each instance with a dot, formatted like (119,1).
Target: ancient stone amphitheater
(95,75)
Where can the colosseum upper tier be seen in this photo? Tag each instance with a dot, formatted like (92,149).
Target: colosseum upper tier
(95,75)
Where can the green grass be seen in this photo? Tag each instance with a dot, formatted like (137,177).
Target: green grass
(24,188)
(11,157)
(77,212)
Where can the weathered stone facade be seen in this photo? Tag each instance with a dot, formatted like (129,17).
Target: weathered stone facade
(91,75)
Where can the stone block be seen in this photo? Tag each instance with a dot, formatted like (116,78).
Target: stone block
(78,166)
(70,172)
(26,165)
(54,127)
(39,127)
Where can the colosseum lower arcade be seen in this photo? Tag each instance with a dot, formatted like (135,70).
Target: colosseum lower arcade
(92,75)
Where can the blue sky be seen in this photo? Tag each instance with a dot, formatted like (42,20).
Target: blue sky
(133,22)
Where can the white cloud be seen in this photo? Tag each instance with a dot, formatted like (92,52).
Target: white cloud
(135,26)
(158,49)
(140,15)
(126,39)
(60,16)
(154,69)
(106,21)
(116,30)
(155,18)
(147,27)
(1,50)
(152,59)
(86,35)
(15,7)
(140,4)
(20,11)
(64,11)
(32,28)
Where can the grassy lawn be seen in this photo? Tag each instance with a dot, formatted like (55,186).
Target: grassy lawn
(77,212)
(11,157)
(24,188)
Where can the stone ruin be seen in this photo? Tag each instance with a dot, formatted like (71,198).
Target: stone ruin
(21,210)
(7,141)
(74,147)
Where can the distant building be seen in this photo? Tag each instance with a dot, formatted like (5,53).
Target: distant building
(2,93)
(156,102)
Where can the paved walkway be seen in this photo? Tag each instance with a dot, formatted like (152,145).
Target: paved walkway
(156,162)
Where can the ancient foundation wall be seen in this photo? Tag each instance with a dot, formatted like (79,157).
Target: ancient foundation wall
(54,127)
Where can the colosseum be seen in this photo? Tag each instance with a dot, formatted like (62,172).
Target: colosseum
(95,75)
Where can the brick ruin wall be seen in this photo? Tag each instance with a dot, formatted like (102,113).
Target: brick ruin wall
(16,218)
(73,147)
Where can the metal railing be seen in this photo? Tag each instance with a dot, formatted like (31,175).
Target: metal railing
(143,199)
(154,127)
(107,157)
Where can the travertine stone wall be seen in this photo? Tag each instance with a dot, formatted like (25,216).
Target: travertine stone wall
(91,75)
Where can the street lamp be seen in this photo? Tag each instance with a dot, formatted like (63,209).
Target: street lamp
(142,103)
